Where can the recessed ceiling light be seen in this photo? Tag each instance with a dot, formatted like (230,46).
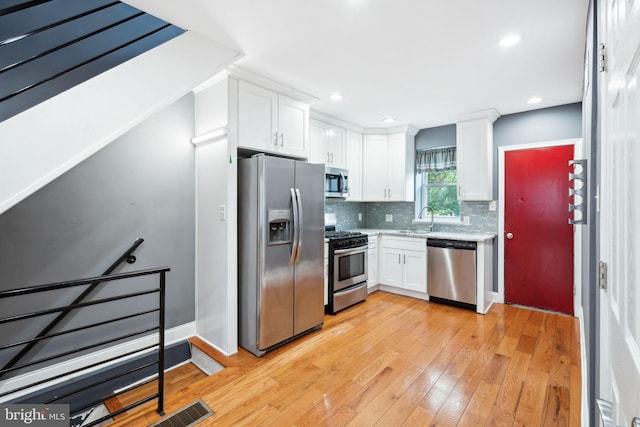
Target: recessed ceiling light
(509,40)
(336,97)
(389,119)
(534,100)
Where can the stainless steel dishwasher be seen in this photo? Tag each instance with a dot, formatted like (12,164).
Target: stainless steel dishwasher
(451,272)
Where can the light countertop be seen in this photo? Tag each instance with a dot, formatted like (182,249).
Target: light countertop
(448,235)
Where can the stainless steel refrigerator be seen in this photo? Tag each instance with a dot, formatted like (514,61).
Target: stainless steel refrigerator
(280,251)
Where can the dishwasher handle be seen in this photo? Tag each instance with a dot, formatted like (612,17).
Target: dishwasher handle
(453,244)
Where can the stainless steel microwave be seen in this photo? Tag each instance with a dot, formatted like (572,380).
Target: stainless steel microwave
(336,182)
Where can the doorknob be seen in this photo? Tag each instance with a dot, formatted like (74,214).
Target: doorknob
(509,236)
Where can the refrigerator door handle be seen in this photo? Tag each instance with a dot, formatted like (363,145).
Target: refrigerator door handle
(294,241)
(300,224)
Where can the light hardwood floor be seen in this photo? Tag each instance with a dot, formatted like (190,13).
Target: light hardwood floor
(394,361)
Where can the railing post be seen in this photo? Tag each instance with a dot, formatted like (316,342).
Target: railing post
(161,346)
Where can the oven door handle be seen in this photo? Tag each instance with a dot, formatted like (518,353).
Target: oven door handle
(350,250)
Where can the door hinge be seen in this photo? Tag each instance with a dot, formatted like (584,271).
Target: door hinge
(602,275)
(602,57)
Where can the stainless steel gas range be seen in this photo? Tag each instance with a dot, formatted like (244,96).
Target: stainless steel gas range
(347,269)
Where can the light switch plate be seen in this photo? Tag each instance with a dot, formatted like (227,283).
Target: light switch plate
(222,212)
(466,220)
(493,205)
(388,218)
(359,216)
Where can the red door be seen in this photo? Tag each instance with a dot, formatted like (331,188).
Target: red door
(538,244)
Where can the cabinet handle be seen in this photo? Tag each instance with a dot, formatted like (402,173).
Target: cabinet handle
(328,158)
(282,140)
(398,258)
(404,259)
(331,158)
(275,136)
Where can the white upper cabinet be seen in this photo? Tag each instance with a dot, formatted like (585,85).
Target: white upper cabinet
(327,144)
(293,126)
(388,166)
(375,166)
(474,140)
(271,122)
(353,163)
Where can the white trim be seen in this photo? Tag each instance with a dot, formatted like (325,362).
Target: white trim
(211,136)
(402,291)
(316,115)
(490,114)
(173,335)
(245,74)
(576,142)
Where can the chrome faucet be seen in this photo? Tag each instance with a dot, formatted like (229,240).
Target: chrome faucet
(430,209)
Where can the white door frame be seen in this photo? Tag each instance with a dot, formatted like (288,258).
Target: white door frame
(577,237)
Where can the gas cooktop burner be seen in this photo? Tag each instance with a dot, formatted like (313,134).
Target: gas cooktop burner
(340,234)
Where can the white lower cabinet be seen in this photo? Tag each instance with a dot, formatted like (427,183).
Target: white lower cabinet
(372,262)
(403,263)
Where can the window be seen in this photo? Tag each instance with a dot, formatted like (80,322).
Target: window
(437,178)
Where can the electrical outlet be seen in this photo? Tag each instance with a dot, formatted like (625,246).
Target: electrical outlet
(388,218)
(359,216)
(493,205)
(466,220)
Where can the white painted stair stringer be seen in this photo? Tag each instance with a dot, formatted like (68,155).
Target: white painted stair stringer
(42,143)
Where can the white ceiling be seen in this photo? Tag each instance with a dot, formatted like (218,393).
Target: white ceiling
(420,61)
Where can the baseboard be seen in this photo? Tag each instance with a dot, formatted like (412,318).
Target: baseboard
(173,335)
(405,292)
(218,349)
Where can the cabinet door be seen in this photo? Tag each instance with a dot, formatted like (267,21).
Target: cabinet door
(353,163)
(390,267)
(257,117)
(318,142)
(372,268)
(374,168)
(475,160)
(396,177)
(415,270)
(336,146)
(293,129)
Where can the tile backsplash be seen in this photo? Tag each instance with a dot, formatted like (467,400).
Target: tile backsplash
(374,215)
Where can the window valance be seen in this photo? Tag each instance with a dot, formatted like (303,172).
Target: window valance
(436,159)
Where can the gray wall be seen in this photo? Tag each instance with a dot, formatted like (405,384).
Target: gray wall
(546,124)
(141,185)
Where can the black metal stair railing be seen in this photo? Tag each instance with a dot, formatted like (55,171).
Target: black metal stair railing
(143,306)
(126,256)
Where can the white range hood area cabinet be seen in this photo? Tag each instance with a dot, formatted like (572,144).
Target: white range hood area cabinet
(474,141)
(380,162)
(328,144)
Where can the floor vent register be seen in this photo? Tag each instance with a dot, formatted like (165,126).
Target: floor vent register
(187,416)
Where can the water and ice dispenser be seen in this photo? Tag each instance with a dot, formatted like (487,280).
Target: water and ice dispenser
(279,226)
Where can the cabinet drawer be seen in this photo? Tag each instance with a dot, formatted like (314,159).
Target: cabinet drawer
(373,242)
(410,243)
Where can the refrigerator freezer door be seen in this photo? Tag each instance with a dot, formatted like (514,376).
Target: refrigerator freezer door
(309,270)
(275,299)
